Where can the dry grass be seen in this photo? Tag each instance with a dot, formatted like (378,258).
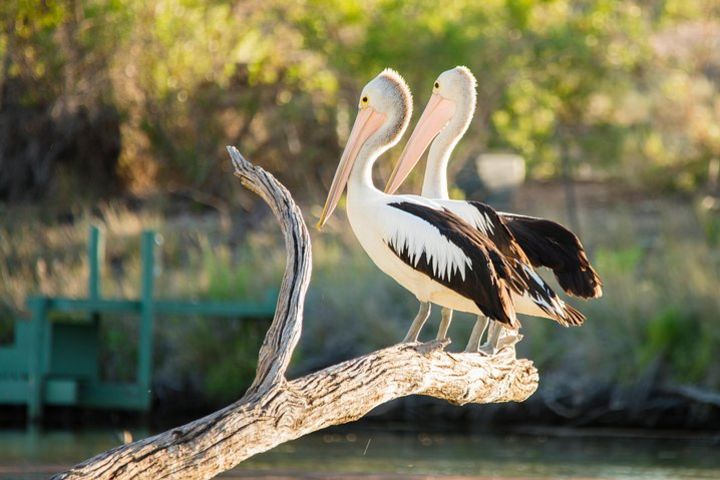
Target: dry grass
(660,305)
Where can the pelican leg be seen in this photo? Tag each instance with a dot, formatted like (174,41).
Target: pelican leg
(509,339)
(490,347)
(420,318)
(481,324)
(444,323)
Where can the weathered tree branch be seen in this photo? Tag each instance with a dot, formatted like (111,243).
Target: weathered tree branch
(286,327)
(275,410)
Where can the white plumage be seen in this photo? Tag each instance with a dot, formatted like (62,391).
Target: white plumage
(446,259)
(377,225)
(445,119)
(432,260)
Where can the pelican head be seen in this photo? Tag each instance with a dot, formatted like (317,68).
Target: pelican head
(449,110)
(385,108)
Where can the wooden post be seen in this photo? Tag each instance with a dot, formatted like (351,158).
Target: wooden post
(147,313)
(95,252)
(276,410)
(38,357)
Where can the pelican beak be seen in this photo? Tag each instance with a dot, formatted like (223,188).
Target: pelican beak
(366,123)
(436,115)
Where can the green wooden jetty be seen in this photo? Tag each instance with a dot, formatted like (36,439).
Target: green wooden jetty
(56,362)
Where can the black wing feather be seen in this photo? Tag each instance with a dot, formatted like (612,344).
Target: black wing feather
(500,235)
(549,244)
(491,279)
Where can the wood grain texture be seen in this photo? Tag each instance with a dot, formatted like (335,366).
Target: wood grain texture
(284,332)
(275,410)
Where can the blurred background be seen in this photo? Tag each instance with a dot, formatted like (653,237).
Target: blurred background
(116,113)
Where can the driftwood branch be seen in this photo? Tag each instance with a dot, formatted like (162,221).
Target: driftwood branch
(276,410)
(284,332)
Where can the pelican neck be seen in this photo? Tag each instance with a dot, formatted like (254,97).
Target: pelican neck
(361,179)
(435,184)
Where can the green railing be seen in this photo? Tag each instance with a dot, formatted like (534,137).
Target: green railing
(56,363)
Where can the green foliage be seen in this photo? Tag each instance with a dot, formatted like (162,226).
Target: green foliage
(708,212)
(225,280)
(626,84)
(623,261)
(119,348)
(225,355)
(679,338)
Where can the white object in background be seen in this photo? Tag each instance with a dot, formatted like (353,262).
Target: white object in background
(501,171)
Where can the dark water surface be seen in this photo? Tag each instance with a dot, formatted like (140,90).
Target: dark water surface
(381,455)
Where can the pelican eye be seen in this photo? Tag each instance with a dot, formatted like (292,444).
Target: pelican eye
(364,100)
(437,85)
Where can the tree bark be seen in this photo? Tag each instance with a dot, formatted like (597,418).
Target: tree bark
(275,410)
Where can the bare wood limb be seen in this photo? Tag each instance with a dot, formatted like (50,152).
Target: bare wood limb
(284,332)
(336,395)
(276,411)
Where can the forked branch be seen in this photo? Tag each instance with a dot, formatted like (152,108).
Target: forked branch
(276,410)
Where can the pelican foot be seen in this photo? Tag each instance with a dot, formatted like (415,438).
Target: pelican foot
(488,350)
(478,350)
(508,340)
(433,345)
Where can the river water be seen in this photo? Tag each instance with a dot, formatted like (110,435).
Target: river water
(370,454)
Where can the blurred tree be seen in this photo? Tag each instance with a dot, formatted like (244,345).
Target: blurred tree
(678,123)
(57,121)
(143,94)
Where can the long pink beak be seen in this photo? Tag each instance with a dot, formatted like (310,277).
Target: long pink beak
(436,115)
(366,123)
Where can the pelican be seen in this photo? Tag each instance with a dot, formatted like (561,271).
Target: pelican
(423,246)
(532,241)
